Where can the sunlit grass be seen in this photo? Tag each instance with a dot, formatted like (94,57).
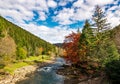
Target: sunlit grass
(38,58)
(10,68)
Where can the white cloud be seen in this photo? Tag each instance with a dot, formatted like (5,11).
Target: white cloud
(83,9)
(99,2)
(43,16)
(64,2)
(20,10)
(82,14)
(64,16)
(78,3)
(52,3)
(40,5)
(53,35)
(112,8)
(114,17)
(71,15)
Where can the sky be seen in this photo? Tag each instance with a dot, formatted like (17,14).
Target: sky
(52,20)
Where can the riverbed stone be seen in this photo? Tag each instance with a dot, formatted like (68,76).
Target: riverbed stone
(19,74)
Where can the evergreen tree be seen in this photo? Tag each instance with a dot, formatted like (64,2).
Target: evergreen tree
(86,40)
(87,32)
(103,44)
(100,20)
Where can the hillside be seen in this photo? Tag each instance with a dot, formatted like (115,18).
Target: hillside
(59,44)
(116,36)
(21,41)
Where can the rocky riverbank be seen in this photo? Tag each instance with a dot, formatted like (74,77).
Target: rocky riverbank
(75,76)
(18,75)
(21,73)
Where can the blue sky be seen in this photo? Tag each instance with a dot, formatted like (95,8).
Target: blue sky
(52,20)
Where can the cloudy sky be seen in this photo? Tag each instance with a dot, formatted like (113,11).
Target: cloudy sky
(51,20)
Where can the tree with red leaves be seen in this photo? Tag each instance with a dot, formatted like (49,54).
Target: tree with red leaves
(71,46)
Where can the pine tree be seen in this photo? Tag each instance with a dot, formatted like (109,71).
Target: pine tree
(103,42)
(101,27)
(100,20)
(86,40)
(87,31)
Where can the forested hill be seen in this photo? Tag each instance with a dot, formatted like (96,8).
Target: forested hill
(116,36)
(21,40)
(58,44)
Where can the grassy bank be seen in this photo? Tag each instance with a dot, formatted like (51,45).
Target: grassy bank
(10,68)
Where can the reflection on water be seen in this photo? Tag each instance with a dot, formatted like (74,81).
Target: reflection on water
(46,75)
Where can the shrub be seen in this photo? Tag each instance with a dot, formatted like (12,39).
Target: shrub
(113,71)
(7,50)
(21,53)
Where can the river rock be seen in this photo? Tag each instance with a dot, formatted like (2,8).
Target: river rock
(18,75)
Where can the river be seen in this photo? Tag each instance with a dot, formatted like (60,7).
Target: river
(47,74)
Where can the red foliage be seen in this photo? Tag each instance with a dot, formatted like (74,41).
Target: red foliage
(71,44)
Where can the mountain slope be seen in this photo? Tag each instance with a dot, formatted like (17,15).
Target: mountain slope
(59,44)
(23,39)
(116,36)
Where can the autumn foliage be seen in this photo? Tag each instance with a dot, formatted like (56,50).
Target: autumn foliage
(71,44)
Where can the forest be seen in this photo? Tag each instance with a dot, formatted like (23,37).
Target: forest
(17,44)
(96,49)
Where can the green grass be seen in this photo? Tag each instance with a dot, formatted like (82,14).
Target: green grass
(28,61)
(12,67)
(38,58)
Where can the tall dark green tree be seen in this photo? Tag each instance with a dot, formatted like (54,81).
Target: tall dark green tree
(86,40)
(100,25)
(100,20)
(104,49)
(87,32)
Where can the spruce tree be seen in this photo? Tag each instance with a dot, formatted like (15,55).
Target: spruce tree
(103,42)
(86,41)
(100,20)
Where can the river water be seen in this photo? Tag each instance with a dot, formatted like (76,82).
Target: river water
(47,74)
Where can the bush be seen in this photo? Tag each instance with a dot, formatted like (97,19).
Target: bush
(113,71)
(7,50)
(21,53)
(2,66)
